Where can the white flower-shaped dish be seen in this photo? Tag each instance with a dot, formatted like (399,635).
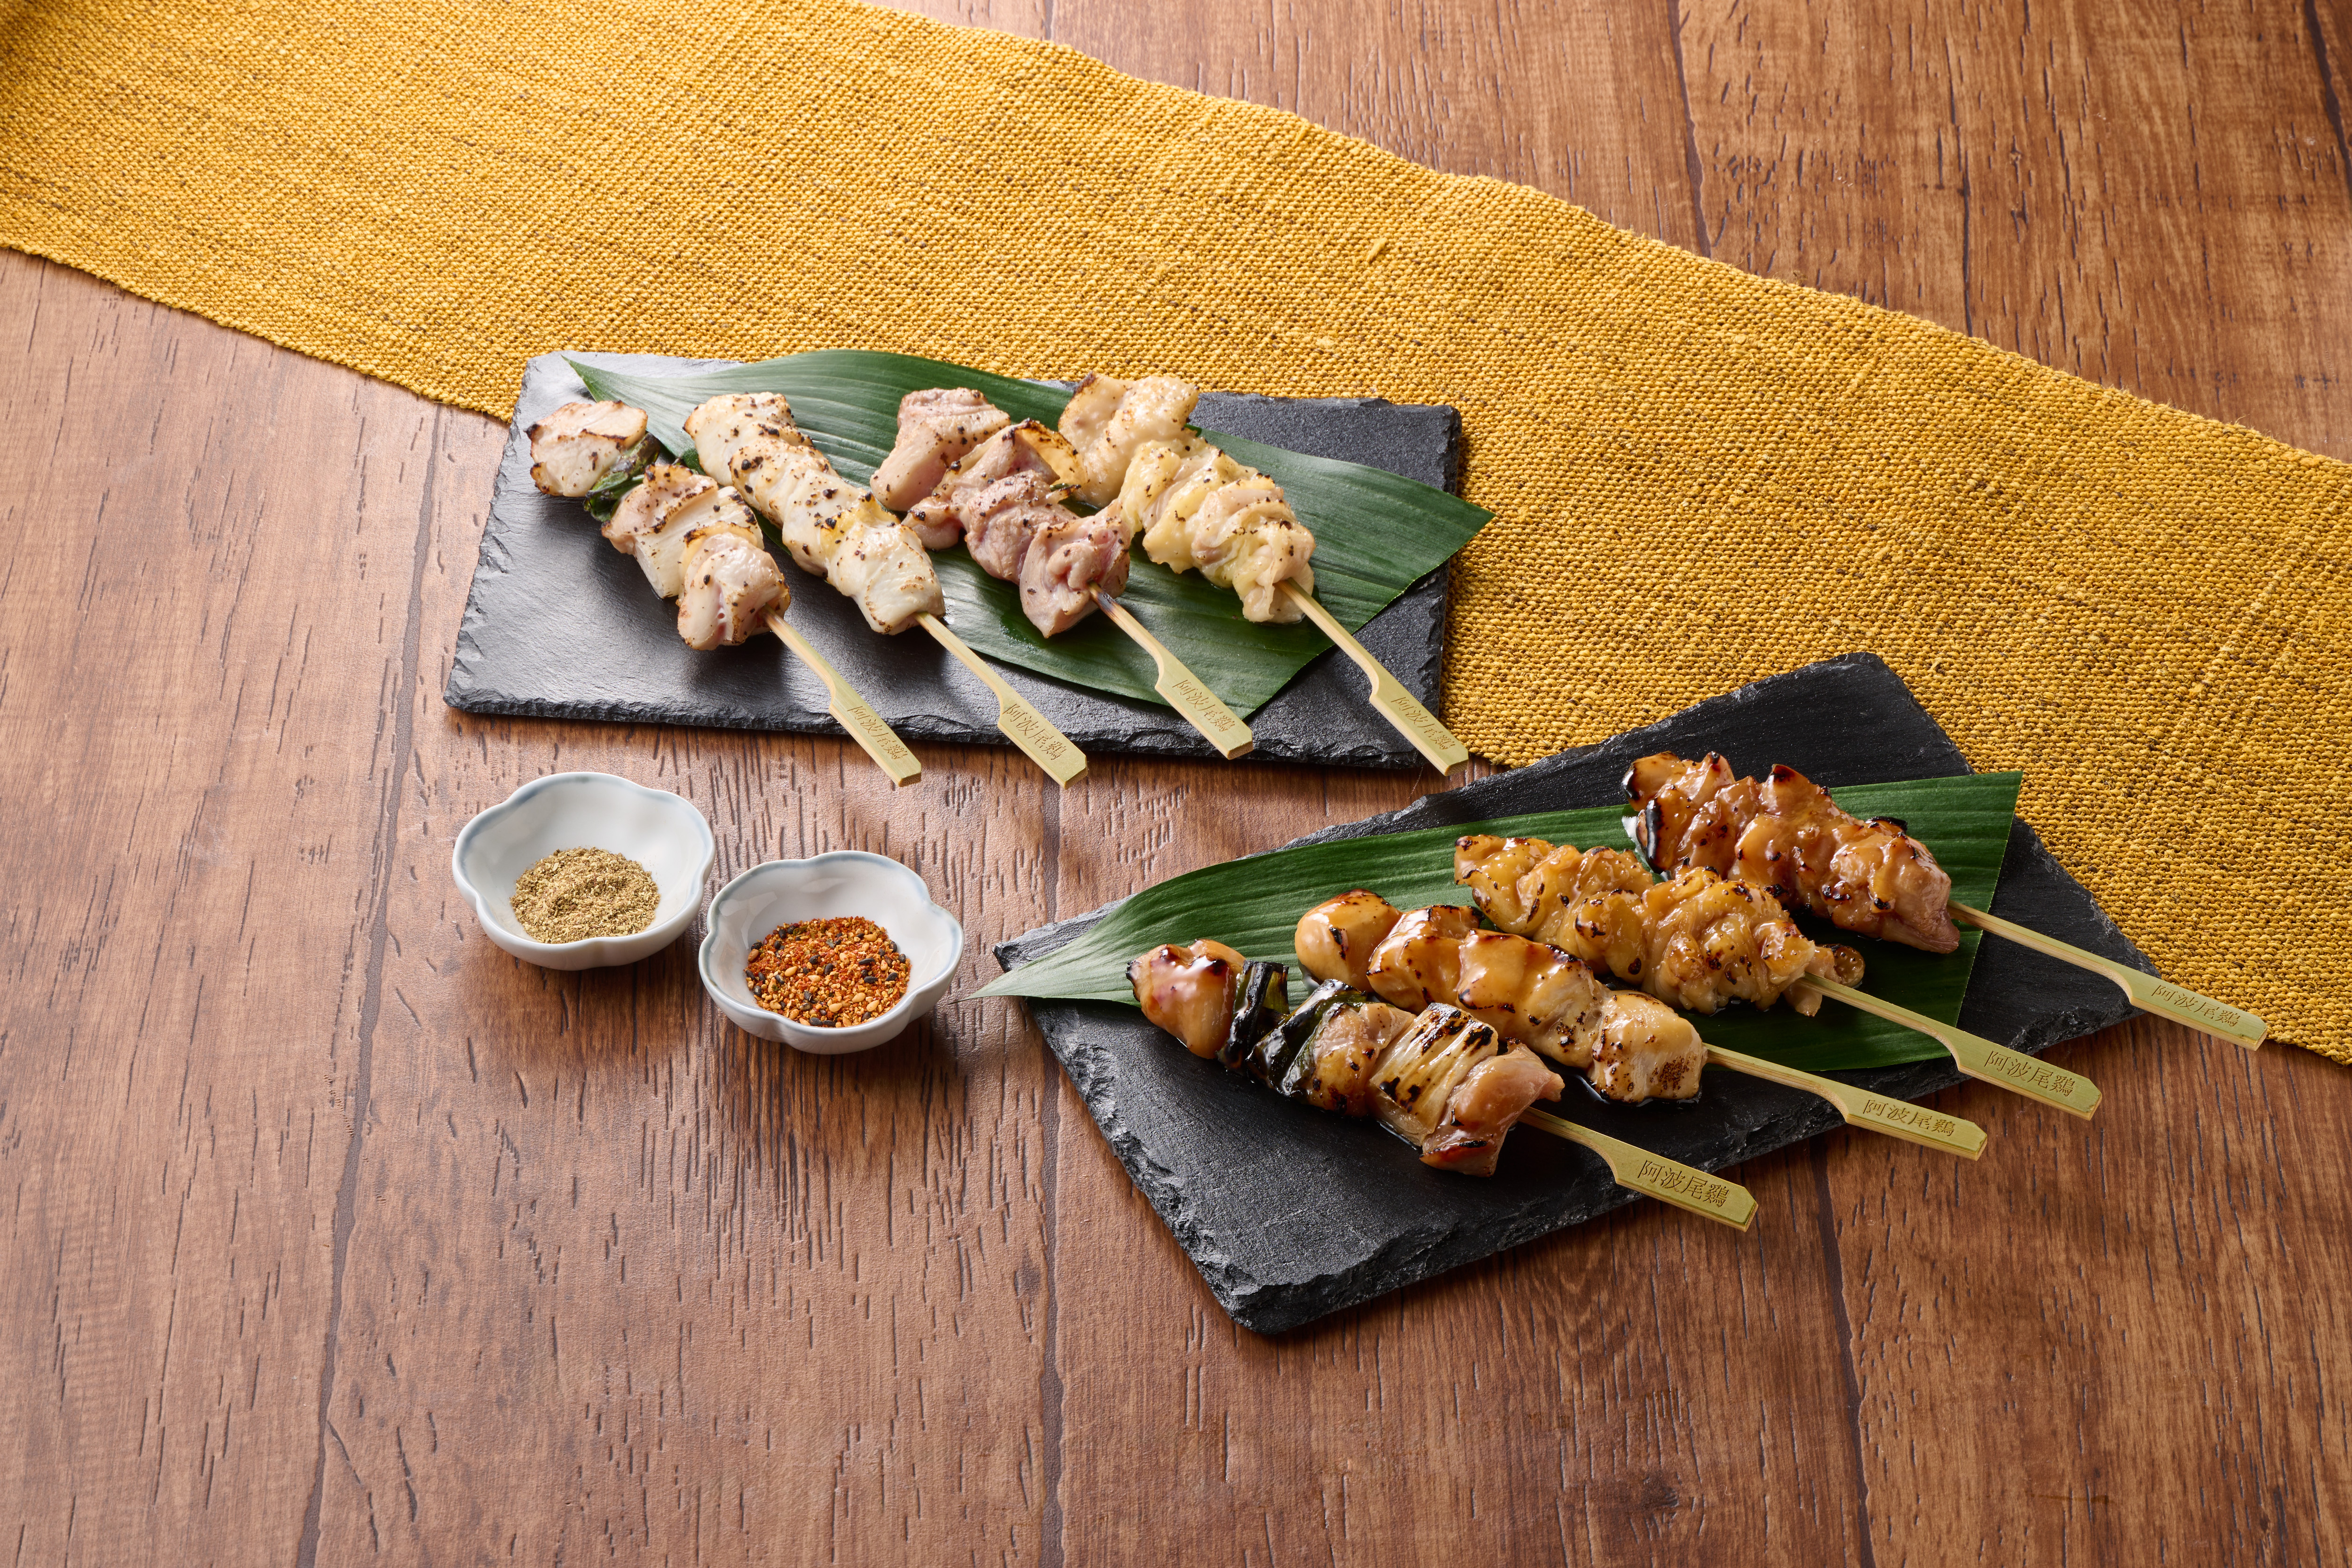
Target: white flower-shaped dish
(845,882)
(596,811)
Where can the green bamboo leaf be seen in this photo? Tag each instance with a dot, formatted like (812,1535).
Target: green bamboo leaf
(1254,904)
(1376,532)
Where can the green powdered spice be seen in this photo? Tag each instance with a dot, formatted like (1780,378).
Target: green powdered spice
(574,894)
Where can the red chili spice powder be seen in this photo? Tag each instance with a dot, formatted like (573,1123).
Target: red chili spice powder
(832,973)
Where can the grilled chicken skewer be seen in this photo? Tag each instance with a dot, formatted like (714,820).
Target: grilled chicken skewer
(961,470)
(840,533)
(697,543)
(1786,832)
(1441,1080)
(1631,1046)
(1198,510)
(1702,940)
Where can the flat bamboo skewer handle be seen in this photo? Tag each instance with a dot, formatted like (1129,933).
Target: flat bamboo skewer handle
(1655,1176)
(2148,993)
(1391,700)
(851,712)
(1185,691)
(1895,1118)
(1022,723)
(1979,1058)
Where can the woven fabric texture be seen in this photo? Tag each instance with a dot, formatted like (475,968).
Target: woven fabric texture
(1699,476)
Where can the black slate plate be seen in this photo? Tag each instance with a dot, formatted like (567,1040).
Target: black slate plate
(1290,1214)
(559,624)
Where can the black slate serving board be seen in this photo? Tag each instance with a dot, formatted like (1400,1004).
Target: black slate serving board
(1290,1214)
(560,625)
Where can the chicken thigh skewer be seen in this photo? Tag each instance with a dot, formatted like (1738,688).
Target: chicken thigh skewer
(1869,877)
(697,544)
(1197,509)
(963,470)
(1631,1046)
(1702,940)
(1441,1079)
(838,531)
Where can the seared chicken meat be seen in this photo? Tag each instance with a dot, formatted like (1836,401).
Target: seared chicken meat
(1198,510)
(1646,1051)
(641,508)
(1068,562)
(947,514)
(1190,992)
(1785,832)
(1526,991)
(832,528)
(1698,942)
(580,444)
(733,586)
(1108,422)
(1335,938)
(936,428)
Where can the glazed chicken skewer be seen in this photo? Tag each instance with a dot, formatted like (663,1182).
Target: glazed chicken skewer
(1441,1079)
(963,470)
(838,531)
(1196,509)
(1702,940)
(1631,1046)
(697,543)
(1785,832)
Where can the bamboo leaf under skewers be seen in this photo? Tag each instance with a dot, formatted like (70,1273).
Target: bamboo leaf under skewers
(1376,532)
(1254,904)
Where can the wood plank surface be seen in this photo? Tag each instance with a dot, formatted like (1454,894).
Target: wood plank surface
(334,1233)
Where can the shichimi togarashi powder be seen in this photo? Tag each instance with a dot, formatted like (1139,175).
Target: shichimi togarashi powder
(574,894)
(832,973)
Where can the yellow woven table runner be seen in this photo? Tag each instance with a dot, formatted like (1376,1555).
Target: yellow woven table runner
(1699,476)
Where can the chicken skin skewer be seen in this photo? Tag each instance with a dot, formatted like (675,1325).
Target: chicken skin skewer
(697,542)
(1443,1081)
(839,531)
(1629,1047)
(1786,832)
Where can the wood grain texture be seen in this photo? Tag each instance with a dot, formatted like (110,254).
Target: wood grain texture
(333,1233)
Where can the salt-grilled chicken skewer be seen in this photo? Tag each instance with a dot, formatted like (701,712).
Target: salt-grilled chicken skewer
(1628,1045)
(1702,940)
(697,543)
(840,533)
(1446,1082)
(1786,832)
(1198,510)
(963,470)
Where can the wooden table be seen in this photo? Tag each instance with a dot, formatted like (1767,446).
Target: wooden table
(334,1233)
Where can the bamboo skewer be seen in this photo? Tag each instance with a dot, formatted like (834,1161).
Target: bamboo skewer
(1979,1058)
(1655,1176)
(2146,992)
(1390,700)
(1022,723)
(1185,691)
(1878,1112)
(851,712)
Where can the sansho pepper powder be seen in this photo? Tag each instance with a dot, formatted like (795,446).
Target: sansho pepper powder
(574,894)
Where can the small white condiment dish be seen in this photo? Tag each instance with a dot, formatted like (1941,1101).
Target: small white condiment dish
(845,882)
(594,811)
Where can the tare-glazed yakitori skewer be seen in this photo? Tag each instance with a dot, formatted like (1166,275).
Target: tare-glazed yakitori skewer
(1441,1076)
(963,470)
(1701,939)
(1198,510)
(838,531)
(1629,1047)
(697,544)
(1784,832)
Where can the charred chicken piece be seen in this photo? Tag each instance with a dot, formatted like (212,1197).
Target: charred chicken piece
(1420,960)
(1190,992)
(721,427)
(1492,1097)
(1198,510)
(1647,1051)
(947,513)
(936,428)
(1332,1070)
(581,443)
(732,585)
(641,508)
(1335,938)
(1532,887)
(1530,991)
(661,549)
(1786,834)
